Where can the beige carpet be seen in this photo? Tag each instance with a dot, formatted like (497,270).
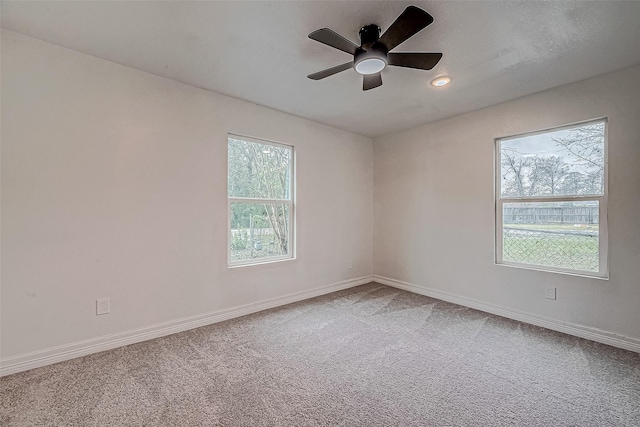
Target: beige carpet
(367,356)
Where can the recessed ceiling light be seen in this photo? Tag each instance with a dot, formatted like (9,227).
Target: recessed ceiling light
(440,81)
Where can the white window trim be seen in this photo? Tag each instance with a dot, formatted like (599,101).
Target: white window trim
(289,202)
(603,240)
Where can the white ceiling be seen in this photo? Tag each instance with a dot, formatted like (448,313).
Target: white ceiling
(259,51)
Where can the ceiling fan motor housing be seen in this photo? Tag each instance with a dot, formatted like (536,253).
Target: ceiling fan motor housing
(369,34)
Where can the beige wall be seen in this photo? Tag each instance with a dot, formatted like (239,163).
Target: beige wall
(114,185)
(434,206)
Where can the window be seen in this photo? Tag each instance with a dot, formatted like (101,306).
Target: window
(260,188)
(551,199)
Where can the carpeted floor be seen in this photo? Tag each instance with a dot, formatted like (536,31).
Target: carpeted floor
(367,356)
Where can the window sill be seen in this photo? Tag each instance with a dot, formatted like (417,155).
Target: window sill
(260,262)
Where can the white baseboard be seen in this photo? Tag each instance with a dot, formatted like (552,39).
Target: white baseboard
(36,359)
(593,334)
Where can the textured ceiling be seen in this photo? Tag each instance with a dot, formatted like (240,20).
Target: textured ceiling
(259,51)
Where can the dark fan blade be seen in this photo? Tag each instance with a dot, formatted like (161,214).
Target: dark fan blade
(333,39)
(371,81)
(408,23)
(422,61)
(330,71)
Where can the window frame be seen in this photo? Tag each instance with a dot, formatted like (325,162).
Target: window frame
(290,202)
(603,237)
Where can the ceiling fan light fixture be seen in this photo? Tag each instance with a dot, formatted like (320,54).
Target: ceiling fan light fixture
(440,81)
(370,66)
(369,62)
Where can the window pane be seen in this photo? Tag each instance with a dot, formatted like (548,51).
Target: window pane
(259,170)
(259,230)
(558,234)
(565,162)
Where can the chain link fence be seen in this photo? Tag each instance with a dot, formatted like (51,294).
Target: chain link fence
(577,250)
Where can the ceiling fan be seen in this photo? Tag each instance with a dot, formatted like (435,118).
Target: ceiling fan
(373,54)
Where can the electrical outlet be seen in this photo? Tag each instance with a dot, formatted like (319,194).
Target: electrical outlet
(103,306)
(350,264)
(550,292)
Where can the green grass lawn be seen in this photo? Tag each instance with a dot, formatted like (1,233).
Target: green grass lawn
(564,251)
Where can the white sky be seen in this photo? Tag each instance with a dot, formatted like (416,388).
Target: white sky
(541,145)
